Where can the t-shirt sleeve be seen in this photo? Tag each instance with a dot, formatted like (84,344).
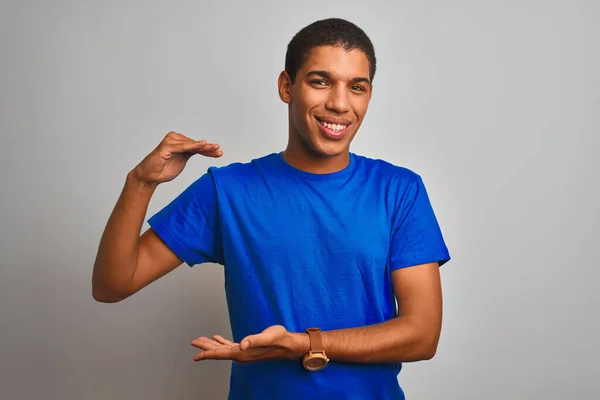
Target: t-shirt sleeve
(189,224)
(416,235)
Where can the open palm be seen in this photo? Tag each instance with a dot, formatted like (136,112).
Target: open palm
(267,345)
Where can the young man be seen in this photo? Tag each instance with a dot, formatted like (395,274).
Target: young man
(317,242)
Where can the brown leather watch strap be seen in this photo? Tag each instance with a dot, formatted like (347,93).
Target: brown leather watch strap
(316,344)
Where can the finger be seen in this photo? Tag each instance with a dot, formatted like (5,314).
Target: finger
(205,355)
(222,340)
(209,150)
(199,356)
(201,339)
(205,346)
(206,149)
(179,146)
(189,146)
(220,353)
(205,343)
(259,340)
(214,154)
(175,146)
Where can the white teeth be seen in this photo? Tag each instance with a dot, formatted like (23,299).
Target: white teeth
(335,127)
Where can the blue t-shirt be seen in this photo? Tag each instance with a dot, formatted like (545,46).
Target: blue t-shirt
(306,250)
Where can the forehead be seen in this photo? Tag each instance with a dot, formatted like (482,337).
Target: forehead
(338,61)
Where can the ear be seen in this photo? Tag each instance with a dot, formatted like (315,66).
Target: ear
(284,84)
(370,92)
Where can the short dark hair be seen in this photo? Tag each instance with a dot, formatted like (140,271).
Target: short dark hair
(327,32)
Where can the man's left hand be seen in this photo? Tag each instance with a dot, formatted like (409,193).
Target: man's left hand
(273,343)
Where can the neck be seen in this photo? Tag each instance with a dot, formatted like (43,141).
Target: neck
(302,157)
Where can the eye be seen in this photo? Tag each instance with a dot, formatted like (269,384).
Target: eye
(358,88)
(319,82)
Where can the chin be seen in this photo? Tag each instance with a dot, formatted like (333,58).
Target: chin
(321,146)
(324,148)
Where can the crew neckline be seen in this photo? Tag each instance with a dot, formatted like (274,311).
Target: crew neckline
(310,175)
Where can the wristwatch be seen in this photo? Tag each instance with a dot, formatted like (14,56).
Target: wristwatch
(315,359)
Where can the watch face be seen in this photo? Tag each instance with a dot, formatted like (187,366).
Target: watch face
(315,363)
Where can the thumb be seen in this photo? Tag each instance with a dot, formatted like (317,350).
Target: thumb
(259,340)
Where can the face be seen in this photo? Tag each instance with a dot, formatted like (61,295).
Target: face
(328,100)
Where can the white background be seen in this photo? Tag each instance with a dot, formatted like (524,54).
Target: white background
(494,103)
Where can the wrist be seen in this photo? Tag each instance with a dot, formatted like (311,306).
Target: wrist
(139,184)
(298,345)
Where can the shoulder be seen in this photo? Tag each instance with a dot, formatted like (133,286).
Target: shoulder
(400,185)
(241,172)
(242,168)
(385,170)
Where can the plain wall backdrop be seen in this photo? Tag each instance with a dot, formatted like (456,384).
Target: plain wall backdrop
(494,103)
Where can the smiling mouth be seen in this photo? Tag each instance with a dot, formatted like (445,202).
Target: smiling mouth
(333,131)
(334,128)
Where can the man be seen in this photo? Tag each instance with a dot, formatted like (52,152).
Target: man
(317,243)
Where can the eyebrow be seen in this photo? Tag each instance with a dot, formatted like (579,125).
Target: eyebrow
(327,75)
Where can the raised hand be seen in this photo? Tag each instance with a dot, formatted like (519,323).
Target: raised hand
(168,159)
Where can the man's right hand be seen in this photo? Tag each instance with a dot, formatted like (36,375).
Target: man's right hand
(167,161)
(126,261)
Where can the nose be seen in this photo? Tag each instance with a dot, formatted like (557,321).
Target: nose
(337,101)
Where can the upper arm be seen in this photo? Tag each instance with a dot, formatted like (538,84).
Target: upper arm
(416,235)
(155,259)
(418,291)
(417,251)
(185,230)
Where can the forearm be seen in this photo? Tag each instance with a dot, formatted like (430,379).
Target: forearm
(118,250)
(398,340)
